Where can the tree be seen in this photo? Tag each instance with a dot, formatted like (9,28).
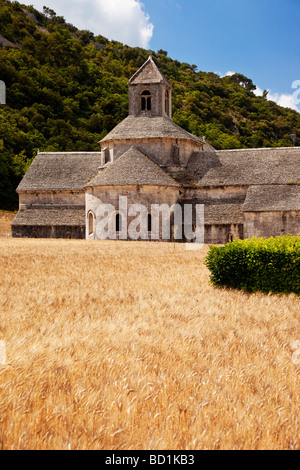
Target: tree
(242,81)
(162,52)
(48,12)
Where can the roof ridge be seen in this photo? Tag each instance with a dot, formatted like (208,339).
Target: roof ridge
(254,149)
(69,153)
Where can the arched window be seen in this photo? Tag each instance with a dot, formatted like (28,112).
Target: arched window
(149,222)
(118,222)
(68,236)
(167,103)
(229,238)
(91,223)
(146,100)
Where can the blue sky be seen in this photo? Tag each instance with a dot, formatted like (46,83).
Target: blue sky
(258,38)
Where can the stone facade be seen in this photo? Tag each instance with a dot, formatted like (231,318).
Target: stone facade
(49,231)
(267,224)
(150,160)
(145,195)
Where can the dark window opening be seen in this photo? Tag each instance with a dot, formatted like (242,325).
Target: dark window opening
(106,155)
(91,223)
(229,238)
(146,101)
(149,222)
(175,154)
(167,103)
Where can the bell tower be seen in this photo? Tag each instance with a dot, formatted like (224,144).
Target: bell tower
(150,93)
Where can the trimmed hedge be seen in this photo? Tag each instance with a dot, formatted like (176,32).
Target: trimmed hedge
(257,264)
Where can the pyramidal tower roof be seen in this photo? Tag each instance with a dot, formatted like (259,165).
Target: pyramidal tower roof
(148,73)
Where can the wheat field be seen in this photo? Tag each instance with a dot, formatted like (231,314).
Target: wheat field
(125,345)
(6,219)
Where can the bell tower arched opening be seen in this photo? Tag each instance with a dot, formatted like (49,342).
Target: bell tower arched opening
(146,100)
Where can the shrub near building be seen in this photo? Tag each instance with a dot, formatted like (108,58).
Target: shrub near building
(257,264)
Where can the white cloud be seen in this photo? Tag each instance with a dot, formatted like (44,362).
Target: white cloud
(258,91)
(229,73)
(122,20)
(286,100)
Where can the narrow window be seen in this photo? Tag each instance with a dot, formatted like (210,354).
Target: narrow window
(91,223)
(149,222)
(118,222)
(229,238)
(167,103)
(69,236)
(106,155)
(146,101)
(175,154)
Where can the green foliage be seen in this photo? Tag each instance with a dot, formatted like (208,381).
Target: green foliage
(66,89)
(257,264)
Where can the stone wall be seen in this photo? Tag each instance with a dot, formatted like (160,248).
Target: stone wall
(157,100)
(160,150)
(146,195)
(36,231)
(220,194)
(220,234)
(32,199)
(267,224)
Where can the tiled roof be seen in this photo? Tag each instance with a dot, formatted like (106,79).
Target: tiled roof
(223,214)
(218,211)
(245,167)
(50,217)
(61,171)
(141,127)
(132,168)
(264,198)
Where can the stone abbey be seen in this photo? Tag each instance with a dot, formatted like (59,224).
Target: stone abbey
(151,160)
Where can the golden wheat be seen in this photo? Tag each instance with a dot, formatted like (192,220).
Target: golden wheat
(125,345)
(6,219)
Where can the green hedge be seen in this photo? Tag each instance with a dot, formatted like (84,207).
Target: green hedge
(257,264)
